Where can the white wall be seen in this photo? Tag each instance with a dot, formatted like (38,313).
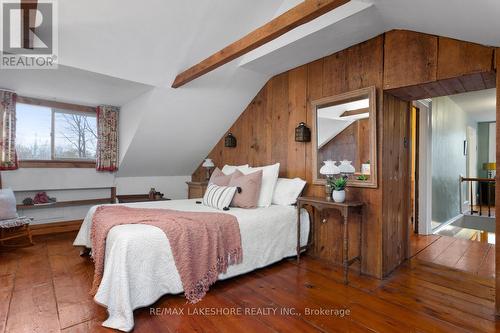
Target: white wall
(81,184)
(492,147)
(46,179)
(449,124)
(174,187)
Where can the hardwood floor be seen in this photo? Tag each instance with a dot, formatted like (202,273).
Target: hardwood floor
(44,288)
(467,255)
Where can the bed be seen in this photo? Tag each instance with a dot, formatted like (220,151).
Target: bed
(139,267)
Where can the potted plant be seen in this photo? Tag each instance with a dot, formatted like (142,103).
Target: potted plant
(338,185)
(363,178)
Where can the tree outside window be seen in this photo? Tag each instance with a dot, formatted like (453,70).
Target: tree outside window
(45,133)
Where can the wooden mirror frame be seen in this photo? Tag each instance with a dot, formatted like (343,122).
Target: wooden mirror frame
(372,110)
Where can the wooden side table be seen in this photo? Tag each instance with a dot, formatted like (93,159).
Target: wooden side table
(344,208)
(196,189)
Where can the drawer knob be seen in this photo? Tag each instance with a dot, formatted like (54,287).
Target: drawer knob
(324,221)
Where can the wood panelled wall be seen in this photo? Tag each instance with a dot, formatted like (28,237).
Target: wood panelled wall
(397,63)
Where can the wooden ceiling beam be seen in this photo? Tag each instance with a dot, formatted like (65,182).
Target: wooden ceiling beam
(303,13)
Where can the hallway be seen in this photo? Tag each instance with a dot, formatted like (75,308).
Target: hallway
(462,254)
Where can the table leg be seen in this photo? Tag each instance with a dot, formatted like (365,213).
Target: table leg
(298,233)
(346,249)
(360,249)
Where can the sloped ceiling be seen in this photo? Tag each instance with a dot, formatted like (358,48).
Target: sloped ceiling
(167,132)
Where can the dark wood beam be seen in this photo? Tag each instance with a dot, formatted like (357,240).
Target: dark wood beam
(303,13)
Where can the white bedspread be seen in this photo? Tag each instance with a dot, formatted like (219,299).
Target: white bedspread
(139,267)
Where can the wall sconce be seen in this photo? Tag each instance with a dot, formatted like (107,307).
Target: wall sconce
(230,141)
(302,133)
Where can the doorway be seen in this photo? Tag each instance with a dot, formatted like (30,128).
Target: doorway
(453,150)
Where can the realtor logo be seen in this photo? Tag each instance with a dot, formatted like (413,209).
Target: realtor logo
(29,34)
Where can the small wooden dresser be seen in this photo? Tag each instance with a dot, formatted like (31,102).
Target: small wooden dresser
(196,189)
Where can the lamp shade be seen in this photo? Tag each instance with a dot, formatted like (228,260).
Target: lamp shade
(329,168)
(208,163)
(346,167)
(490,166)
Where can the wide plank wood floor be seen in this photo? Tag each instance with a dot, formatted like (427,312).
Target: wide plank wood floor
(44,288)
(467,255)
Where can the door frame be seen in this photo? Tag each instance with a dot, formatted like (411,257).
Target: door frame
(424,167)
(414,92)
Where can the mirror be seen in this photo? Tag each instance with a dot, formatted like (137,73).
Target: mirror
(344,131)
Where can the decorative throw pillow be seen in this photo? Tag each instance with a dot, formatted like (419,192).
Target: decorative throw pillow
(269,177)
(287,191)
(218,197)
(230,169)
(7,204)
(250,185)
(219,178)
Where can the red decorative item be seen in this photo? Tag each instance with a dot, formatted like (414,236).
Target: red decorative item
(41,198)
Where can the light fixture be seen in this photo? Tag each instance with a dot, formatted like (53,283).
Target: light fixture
(329,169)
(346,168)
(490,168)
(208,164)
(302,133)
(230,140)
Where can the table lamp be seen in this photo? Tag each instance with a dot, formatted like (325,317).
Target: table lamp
(209,165)
(490,168)
(329,169)
(346,168)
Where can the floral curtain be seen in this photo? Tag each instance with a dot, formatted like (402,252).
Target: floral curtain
(107,138)
(8,157)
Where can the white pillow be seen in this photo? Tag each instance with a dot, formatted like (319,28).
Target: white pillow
(219,197)
(269,177)
(7,204)
(287,191)
(229,169)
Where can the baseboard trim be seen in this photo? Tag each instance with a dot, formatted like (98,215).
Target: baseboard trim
(55,228)
(447,223)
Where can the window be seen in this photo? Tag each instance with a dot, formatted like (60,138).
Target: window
(51,131)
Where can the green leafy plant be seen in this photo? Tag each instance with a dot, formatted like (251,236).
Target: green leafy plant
(363,178)
(338,184)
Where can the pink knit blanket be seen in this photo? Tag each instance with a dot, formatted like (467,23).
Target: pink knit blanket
(203,244)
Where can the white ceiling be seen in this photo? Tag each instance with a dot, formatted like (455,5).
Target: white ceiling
(360,20)
(129,52)
(480,105)
(68,84)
